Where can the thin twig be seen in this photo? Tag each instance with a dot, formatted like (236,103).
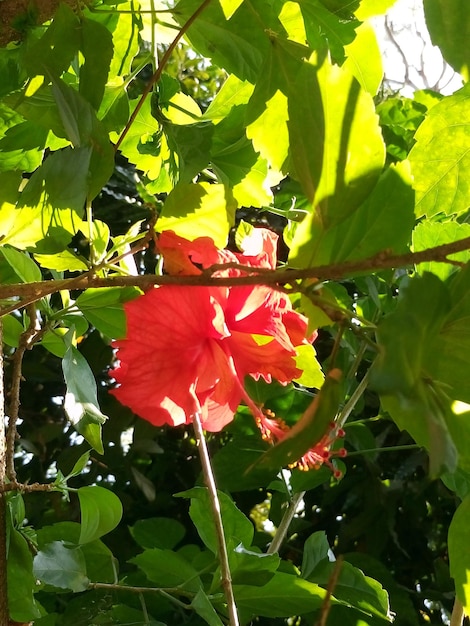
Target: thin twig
(217,517)
(283,527)
(26,340)
(254,276)
(326,606)
(158,72)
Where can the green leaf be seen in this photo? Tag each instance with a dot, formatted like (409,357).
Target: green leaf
(404,336)
(97,48)
(54,51)
(21,581)
(283,596)
(81,403)
(355,589)
(429,234)
(101,512)
(315,550)
(327,30)
(440,160)
(311,427)
(167,569)
(237,528)
(448,23)
(459,553)
(103,308)
(238,45)
(199,209)
(62,261)
(312,375)
(383,222)
(22,264)
(80,465)
(370,8)
(364,59)
(22,143)
(191,143)
(61,566)
(252,568)
(203,607)
(229,7)
(12,330)
(158,532)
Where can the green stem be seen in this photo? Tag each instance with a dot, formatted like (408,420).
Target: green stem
(285,523)
(411,446)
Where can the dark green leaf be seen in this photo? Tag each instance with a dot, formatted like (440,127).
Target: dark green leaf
(315,550)
(101,512)
(283,596)
(103,308)
(238,529)
(203,607)
(61,566)
(167,569)
(97,48)
(448,22)
(158,532)
(21,581)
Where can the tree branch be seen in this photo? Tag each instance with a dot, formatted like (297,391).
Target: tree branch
(31,292)
(4,612)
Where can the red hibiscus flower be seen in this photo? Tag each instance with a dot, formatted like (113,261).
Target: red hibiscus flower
(188,349)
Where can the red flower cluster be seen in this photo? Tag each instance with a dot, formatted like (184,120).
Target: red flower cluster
(188,349)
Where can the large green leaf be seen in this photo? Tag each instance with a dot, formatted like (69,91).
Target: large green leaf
(239,44)
(440,159)
(81,403)
(283,596)
(364,60)
(100,510)
(383,222)
(459,553)
(22,264)
(355,589)
(429,234)
(103,308)
(199,209)
(97,48)
(21,142)
(61,566)
(327,30)
(167,569)
(21,581)
(448,22)
(238,529)
(158,532)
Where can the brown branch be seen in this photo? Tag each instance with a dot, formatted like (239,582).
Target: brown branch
(31,292)
(26,340)
(4,612)
(325,610)
(27,487)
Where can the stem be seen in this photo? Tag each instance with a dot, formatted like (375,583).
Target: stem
(26,340)
(410,446)
(285,523)
(325,609)
(457,616)
(217,517)
(158,72)
(4,612)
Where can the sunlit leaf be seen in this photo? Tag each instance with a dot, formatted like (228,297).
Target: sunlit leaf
(81,403)
(364,60)
(199,209)
(428,234)
(459,552)
(440,159)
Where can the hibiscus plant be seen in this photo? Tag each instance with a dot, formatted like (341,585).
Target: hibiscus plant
(235,304)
